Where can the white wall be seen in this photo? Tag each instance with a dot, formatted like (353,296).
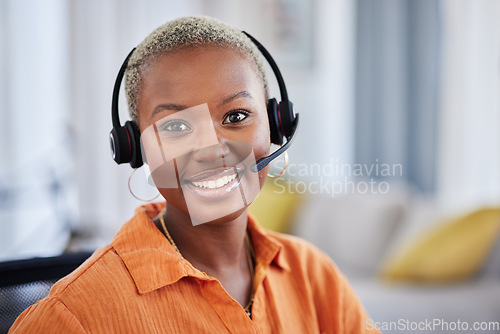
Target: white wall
(469,136)
(35,143)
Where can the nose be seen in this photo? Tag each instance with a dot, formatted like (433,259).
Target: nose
(212,152)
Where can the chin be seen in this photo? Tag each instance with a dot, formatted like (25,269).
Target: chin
(228,218)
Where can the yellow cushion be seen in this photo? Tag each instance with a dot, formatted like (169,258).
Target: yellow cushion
(274,208)
(453,251)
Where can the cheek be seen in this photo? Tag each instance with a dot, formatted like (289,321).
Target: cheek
(261,145)
(261,149)
(261,139)
(263,176)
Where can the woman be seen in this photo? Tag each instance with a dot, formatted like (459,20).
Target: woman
(198,263)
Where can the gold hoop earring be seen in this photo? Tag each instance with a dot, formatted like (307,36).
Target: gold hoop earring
(285,156)
(132,193)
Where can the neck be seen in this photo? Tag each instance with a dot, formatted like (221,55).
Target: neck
(217,248)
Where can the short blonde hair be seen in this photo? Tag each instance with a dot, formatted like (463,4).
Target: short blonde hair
(186,32)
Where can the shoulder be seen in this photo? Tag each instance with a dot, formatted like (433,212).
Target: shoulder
(334,299)
(100,267)
(93,283)
(47,316)
(301,254)
(311,266)
(60,311)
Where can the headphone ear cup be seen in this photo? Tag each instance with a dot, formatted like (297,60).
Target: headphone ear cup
(120,145)
(135,144)
(287,117)
(274,122)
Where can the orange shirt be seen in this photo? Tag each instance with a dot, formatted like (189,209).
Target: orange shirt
(140,284)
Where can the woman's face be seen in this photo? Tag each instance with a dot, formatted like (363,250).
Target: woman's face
(203,121)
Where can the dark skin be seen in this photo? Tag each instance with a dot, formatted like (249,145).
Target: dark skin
(227,81)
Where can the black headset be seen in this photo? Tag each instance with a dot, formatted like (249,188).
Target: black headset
(283,122)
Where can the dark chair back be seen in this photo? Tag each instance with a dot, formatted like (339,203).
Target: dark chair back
(24,282)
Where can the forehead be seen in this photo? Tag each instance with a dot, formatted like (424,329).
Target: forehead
(201,74)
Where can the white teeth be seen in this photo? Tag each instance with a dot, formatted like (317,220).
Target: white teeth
(220,182)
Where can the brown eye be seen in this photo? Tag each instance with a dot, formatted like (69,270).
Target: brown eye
(235,117)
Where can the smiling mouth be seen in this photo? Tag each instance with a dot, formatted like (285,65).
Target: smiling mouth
(214,184)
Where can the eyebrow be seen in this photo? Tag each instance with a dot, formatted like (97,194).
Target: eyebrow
(235,96)
(168,106)
(180,107)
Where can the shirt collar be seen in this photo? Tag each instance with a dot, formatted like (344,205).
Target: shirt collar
(153,262)
(267,248)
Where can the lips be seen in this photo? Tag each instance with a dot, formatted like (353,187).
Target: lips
(214,184)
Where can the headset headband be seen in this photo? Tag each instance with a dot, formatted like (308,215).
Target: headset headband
(116,92)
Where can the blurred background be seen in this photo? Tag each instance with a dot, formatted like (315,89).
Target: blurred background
(399,138)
